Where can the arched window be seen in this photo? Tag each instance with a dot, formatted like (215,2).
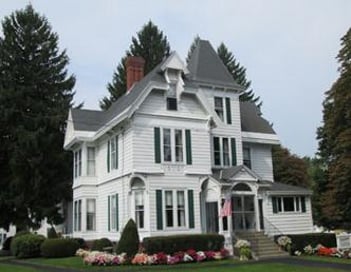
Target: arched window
(242,187)
(138,193)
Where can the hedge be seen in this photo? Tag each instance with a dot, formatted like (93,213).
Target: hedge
(27,245)
(101,244)
(129,241)
(59,247)
(7,244)
(175,243)
(81,242)
(299,241)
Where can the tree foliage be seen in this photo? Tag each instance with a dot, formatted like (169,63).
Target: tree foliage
(129,242)
(334,138)
(289,168)
(239,74)
(35,95)
(151,44)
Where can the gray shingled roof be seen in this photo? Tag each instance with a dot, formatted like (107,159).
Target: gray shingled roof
(251,121)
(227,173)
(282,187)
(88,120)
(206,67)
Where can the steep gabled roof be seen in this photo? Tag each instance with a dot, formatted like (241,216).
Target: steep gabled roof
(87,120)
(205,66)
(251,121)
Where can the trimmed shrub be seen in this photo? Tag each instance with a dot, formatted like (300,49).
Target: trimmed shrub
(175,243)
(100,244)
(27,245)
(22,232)
(81,242)
(299,241)
(52,233)
(57,248)
(129,242)
(7,243)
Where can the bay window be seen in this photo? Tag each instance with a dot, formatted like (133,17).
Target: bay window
(91,161)
(77,214)
(77,161)
(91,214)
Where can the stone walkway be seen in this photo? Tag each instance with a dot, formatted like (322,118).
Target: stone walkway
(285,260)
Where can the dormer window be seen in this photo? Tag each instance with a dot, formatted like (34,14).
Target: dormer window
(171,103)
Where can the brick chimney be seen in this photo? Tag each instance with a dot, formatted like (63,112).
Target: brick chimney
(135,70)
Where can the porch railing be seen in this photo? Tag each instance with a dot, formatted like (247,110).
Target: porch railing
(270,229)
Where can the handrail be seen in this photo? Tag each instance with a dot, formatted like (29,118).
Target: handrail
(270,229)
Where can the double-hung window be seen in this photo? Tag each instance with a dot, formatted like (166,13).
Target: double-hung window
(247,156)
(91,161)
(175,208)
(222,107)
(286,204)
(112,153)
(113,212)
(178,135)
(77,169)
(224,151)
(77,222)
(91,214)
(167,146)
(218,103)
(139,208)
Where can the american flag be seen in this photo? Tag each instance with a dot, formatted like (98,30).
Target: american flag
(227,208)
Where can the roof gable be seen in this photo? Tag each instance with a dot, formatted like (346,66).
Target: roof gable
(205,66)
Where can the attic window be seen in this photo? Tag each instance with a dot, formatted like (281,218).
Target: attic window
(171,103)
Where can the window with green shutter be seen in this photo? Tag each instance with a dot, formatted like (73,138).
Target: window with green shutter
(233,146)
(108,213)
(117,213)
(108,156)
(157,144)
(189,159)
(228,109)
(191,208)
(159,217)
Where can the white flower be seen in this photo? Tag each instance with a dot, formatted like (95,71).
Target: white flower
(242,243)
(284,241)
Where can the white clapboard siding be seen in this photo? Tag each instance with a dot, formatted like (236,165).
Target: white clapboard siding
(289,223)
(188,106)
(261,160)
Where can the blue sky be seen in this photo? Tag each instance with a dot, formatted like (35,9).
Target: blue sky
(287,47)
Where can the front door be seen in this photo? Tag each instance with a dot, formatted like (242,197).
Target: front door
(243,209)
(212,217)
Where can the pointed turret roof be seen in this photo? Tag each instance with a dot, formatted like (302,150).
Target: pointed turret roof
(205,66)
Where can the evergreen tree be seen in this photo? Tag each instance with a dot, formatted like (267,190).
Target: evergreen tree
(335,142)
(289,168)
(239,74)
(35,95)
(192,47)
(152,45)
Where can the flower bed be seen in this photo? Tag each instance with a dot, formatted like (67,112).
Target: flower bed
(107,259)
(321,250)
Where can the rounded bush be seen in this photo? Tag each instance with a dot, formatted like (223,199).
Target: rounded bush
(52,233)
(101,244)
(7,243)
(58,247)
(81,242)
(129,242)
(26,245)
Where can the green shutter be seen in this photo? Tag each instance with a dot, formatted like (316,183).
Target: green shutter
(191,208)
(189,159)
(117,213)
(157,143)
(274,204)
(303,204)
(233,145)
(108,156)
(229,112)
(116,152)
(108,213)
(159,209)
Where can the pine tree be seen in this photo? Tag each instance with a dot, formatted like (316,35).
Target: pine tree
(152,45)
(35,95)
(192,47)
(335,142)
(289,168)
(239,74)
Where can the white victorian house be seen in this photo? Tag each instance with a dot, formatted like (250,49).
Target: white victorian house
(171,150)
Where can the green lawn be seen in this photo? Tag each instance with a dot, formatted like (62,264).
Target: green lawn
(17,268)
(327,259)
(215,266)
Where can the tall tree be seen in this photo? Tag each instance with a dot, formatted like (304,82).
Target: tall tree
(289,168)
(192,47)
(35,95)
(151,44)
(335,142)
